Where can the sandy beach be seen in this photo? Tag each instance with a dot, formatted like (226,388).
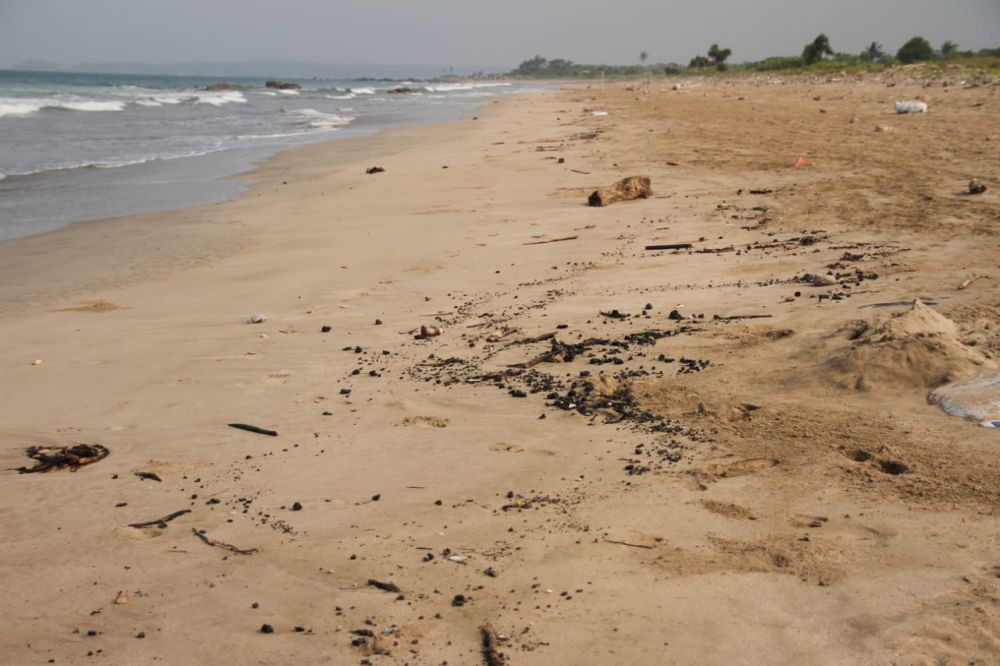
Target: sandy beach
(718,454)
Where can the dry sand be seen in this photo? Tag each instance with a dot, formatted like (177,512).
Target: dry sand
(748,491)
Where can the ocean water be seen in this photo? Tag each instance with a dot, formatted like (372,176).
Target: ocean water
(87,146)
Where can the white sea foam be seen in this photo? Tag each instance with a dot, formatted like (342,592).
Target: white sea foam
(23,106)
(88,105)
(288,92)
(363,91)
(347,96)
(452,87)
(19,107)
(319,120)
(220,98)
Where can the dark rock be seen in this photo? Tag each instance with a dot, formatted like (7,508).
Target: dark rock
(278,85)
(266,629)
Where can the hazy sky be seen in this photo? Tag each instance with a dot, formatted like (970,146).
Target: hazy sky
(471,32)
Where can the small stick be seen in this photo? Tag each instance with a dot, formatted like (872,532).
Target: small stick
(491,657)
(670,246)
(253,428)
(969,281)
(585,173)
(735,317)
(385,587)
(631,545)
(537,338)
(220,544)
(161,522)
(552,240)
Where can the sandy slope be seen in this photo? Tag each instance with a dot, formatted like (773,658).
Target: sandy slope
(791,499)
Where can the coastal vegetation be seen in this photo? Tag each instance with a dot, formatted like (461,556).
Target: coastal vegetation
(817,56)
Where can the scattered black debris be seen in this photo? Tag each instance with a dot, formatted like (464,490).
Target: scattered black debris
(373,170)
(148,475)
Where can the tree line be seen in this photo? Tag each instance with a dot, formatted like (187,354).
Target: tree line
(817,53)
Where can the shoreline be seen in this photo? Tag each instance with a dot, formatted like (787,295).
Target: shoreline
(718,454)
(18,256)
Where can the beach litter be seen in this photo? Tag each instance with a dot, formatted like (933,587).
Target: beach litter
(74,457)
(122,598)
(976,187)
(976,399)
(801,161)
(428,332)
(375,169)
(257,318)
(911,107)
(626,189)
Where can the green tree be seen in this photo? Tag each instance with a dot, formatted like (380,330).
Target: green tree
(643,57)
(532,67)
(873,52)
(948,49)
(814,51)
(918,48)
(699,62)
(719,56)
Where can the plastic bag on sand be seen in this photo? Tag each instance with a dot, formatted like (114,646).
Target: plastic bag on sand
(911,107)
(977,399)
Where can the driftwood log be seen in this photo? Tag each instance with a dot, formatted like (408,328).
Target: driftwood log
(627,189)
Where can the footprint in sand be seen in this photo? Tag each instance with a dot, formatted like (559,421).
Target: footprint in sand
(93,306)
(804,520)
(728,510)
(504,447)
(740,467)
(426,421)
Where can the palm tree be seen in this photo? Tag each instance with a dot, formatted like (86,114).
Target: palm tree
(643,57)
(873,52)
(815,51)
(948,49)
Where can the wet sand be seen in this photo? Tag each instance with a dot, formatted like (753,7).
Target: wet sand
(758,479)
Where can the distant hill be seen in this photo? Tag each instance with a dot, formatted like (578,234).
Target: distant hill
(264,68)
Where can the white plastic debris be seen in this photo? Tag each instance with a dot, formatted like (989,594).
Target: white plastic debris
(37,361)
(977,399)
(598,113)
(911,107)
(257,318)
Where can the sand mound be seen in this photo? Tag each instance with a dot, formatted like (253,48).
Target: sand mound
(917,348)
